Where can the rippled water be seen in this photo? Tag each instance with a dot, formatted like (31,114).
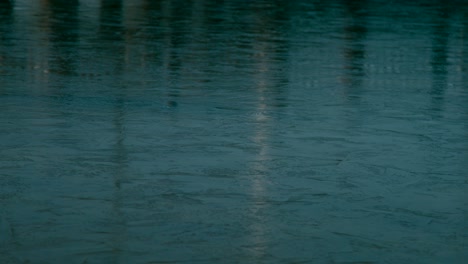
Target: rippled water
(233,132)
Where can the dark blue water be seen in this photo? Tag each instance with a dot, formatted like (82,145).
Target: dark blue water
(233,131)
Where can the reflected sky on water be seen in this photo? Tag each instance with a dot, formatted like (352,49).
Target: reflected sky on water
(233,131)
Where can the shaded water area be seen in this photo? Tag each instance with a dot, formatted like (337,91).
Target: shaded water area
(233,131)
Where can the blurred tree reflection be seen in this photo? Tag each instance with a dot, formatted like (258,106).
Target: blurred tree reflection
(6,9)
(439,59)
(354,51)
(62,19)
(6,27)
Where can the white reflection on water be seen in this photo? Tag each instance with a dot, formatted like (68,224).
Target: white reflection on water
(259,229)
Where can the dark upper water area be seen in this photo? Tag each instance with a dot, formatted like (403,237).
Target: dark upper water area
(140,131)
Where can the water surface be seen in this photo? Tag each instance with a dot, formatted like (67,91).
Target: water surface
(233,132)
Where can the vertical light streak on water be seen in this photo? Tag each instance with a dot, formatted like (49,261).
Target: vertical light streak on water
(267,64)
(259,226)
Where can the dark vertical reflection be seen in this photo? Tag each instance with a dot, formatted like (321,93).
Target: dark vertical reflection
(354,51)
(110,36)
(6,3)
(57,58)
(355,33)
(165,28)
(464,46)
(6,25)
(439,63)
(6,13)
(111,44)
(63,22)
(171,39)
(464,66)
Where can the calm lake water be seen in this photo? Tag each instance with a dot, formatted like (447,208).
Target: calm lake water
(233,131)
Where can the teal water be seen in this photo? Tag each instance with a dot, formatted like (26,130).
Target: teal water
(233,131)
